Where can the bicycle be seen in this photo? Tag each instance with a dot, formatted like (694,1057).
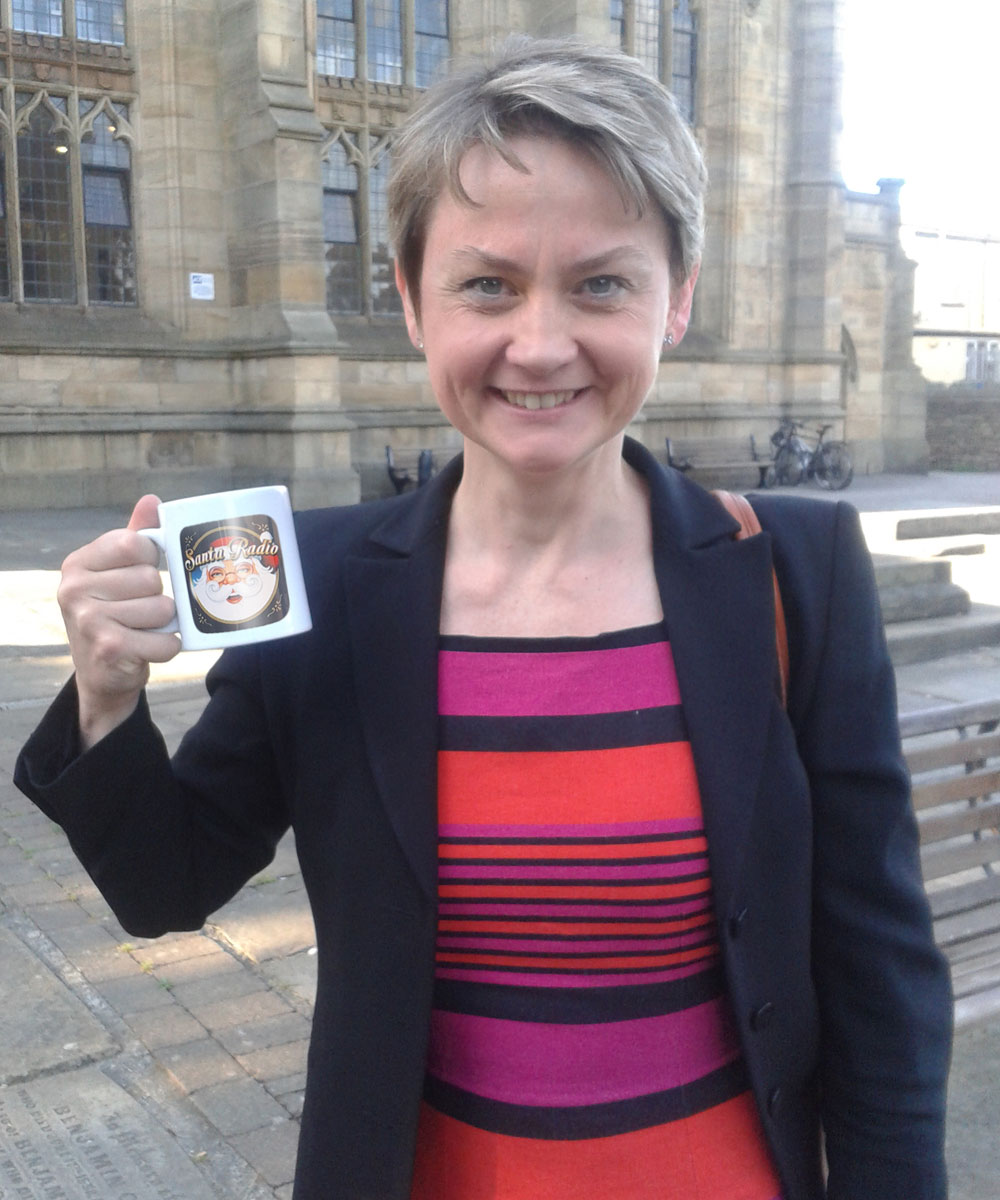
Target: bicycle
(829,463)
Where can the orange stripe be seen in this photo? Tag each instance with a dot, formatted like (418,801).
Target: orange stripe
(719,1154)
(492,788)
(622,852)
(575,929)
(544,962)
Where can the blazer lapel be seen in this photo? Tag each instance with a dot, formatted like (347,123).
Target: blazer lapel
(394,605)
(719,610)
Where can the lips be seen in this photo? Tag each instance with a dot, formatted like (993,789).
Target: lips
(537,400)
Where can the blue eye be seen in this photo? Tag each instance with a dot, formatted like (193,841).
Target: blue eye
(604,285)
(486,285)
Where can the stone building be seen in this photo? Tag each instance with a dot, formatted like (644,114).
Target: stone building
(195,280)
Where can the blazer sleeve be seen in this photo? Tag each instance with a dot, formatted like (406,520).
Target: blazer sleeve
(882,986)
(165,847)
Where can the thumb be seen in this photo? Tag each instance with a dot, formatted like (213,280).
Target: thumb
(144,515)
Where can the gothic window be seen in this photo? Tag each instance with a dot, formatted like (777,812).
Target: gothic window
(107,217)
(336,47)
(341,232)
(4,256)
(430,39)
(65,201)
(668,49)
(360,277)
(45,202)
(382,41)
(88,20)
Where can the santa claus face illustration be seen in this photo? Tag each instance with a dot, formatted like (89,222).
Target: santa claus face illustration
(234,586)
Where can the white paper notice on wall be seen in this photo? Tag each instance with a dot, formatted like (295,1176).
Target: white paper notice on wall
(202,286)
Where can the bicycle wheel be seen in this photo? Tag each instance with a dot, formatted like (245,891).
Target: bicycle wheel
(788,466)
(834,469)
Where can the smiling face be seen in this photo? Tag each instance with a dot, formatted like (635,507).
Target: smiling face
(543,308)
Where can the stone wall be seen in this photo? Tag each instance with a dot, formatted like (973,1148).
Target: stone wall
(963,429)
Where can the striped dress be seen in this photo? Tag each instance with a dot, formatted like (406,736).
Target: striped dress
(582,1046)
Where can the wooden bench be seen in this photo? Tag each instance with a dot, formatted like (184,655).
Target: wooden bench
(717,457)
(408,467)
(954,758)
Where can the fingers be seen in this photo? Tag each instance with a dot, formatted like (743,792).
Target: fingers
(145,515)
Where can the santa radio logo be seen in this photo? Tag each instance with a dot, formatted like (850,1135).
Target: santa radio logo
(234,573)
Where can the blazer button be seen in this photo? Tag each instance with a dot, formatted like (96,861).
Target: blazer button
(761,1017)
(774,1100)
(736,923)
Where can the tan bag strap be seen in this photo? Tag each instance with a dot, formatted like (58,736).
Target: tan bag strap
(740,508)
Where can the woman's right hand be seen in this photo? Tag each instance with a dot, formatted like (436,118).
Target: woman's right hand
(112,602)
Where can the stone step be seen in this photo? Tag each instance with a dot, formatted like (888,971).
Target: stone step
(912,589)
(921,601)
(893,570)
(934,637)
(954,524)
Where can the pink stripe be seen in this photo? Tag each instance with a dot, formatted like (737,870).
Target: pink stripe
(453,942)
(563,683)
(458,909)
(519,1062)
(632,829)
(528,979)
(588,874)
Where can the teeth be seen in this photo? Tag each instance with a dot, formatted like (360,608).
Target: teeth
(536,400)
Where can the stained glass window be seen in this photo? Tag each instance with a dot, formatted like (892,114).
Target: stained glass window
(431,39)
(336,48)
(385,296)
(101,21)
(38,16)
(384,32)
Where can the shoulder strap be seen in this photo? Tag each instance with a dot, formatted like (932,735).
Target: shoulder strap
(740,508)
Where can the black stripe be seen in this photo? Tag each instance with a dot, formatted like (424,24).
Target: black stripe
(640,635)
(589,1120)
(587,731)
(578,1006)
(572,938)
(543,955)
(521,861)
(560,920)
(595,973)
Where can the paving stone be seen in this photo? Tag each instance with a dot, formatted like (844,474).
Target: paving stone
(286,1085)
(239,1106)
(36,891)
(263,1035)
(159,1027)
(43,1026)
(271,1151)
(256,1006)
(201,995)
(179,947)
(203,968)
(276,1062)
(135,993)
(199,1064)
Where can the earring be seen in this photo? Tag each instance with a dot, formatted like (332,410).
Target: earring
(668,340)
(420,344)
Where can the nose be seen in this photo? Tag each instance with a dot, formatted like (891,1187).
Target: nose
(542,338)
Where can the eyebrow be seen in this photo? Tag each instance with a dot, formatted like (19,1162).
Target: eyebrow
(626,255)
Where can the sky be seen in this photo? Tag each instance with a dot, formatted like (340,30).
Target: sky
(922,103)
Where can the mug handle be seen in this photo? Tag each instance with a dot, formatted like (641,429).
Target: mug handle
(156,537)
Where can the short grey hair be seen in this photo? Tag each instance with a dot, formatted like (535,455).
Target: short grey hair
(587,95)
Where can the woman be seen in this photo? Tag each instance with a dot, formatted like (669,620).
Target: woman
(596,915)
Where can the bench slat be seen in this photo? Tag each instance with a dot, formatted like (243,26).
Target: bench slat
(939,863)
(951,754)
(967,955)
(953,900)
(963,927)
(940,827)
(958,787)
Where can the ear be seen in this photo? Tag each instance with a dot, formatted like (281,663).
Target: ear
(679,313)
(409,307)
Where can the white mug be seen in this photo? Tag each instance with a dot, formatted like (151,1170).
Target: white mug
(234,568)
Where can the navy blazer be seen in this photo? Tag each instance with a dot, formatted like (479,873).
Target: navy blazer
(842,1000)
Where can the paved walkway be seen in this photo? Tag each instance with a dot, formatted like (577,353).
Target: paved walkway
(173,1069)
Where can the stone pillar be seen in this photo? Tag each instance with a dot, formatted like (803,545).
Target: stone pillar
(179,172)
(816,195)
(274,188)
